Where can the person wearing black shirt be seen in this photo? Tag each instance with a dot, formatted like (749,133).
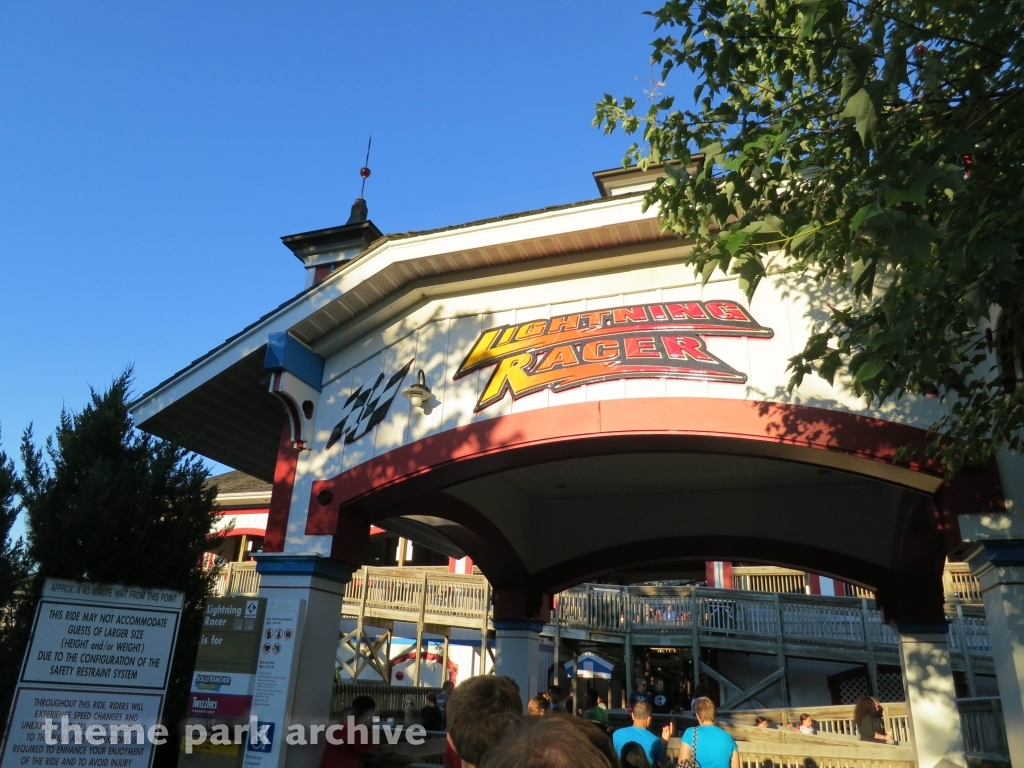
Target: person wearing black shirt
(867,714)
(661,702)
(640,694)
(431,715)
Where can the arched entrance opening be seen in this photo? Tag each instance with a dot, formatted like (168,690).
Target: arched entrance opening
(545,499)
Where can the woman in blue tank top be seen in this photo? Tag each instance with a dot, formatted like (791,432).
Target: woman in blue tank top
(714,747)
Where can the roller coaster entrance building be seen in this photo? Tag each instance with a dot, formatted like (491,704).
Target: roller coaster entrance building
(554,394)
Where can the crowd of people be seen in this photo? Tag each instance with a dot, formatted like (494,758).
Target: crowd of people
(485,727)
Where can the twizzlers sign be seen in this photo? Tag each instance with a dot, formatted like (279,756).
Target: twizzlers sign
(639,341)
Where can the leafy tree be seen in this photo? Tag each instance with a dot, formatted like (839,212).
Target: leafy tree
(14,570)
(108,503)
(873,150)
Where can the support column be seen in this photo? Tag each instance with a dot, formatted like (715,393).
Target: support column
(932,714)
(517,646)
(320,581)
(999,567)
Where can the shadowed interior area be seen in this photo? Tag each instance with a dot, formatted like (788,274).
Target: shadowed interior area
(636,516)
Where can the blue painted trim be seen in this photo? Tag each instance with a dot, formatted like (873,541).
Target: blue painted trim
(303,565)
(286,353)
(999,552)
(518,625)
(917,628)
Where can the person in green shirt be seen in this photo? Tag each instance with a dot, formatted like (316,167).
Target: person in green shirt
(595,707)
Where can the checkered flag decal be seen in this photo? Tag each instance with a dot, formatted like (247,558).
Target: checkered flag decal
(366,408)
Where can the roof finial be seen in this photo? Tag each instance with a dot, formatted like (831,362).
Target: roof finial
(365,170)
(359,209)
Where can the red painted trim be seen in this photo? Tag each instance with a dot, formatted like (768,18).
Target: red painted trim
(727,575)
(245,532)
(865,446)
(814,582)
(281,495)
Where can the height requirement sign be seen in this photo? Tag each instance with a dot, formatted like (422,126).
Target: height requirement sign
(97,669)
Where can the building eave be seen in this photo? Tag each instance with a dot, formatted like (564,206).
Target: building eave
(233,370)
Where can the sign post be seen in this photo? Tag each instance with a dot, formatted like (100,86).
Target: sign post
(94,678)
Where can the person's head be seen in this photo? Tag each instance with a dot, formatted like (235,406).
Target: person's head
(595,734)
(642,714)
(547,742)
(538,706)
(806,721)
(363,709)
(431,699)
(447,686)
(555,694)
(761,721)
(704,709)
(479,711)
(633,756)
(865,707)
(641,685)
(659,685)
(593,698)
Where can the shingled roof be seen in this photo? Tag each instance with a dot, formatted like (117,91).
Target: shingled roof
(238,482)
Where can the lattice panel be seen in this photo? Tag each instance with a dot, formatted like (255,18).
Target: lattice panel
(890,688)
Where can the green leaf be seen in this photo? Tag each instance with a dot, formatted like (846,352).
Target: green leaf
(864,275)
(865,107)
(894,197)
(863,214)
(869,370)
(734,240)
(813,11)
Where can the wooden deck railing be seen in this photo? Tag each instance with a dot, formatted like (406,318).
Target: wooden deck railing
(983,727)
(449,598)
(800,619)
(832,720)
(238,579)
(981,721)
(768,579)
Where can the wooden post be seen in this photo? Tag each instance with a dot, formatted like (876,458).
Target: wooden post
(401,552)
(972,687)
(627,639)
(444,657)
(419,629)
(555,670)
(695,638)
(359,625)
(483,628)
(575,680)
(780,639)
(241,548)
(869,647)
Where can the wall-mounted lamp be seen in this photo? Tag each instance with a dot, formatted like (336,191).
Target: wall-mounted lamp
(418,393)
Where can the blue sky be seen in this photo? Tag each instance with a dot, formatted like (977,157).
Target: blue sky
(152,155)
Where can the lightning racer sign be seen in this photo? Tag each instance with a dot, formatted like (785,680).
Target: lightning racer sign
(640,341)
